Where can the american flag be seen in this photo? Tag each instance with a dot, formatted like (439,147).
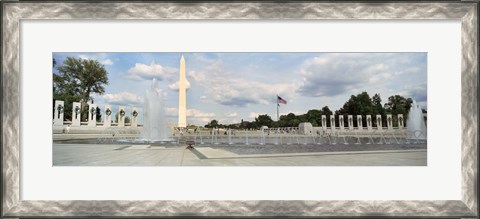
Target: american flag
(281,100)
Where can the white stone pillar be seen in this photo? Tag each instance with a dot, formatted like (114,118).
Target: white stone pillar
(324,122)
(58,115)
(379,122)
(121,116)
(350,122)
(332,122)
(341,122)
(92,115)
(389,122)
(369,122)
(107,116)
(134,117)
(401,123)
(359,122)
(76,113)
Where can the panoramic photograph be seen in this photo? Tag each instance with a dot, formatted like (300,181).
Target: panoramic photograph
(239,109)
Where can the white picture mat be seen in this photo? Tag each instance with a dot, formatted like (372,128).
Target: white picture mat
(440,180)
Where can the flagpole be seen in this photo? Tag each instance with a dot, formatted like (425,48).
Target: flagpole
(277,108)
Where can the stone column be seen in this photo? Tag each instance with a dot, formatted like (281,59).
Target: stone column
(359,122)
(92,115)
(134,118)
(341,122)
(58,115)
(324,122)
(76,113)
(369,122)
(379,122)
(350,122)
(401,123)
(121,116)
(332,122)
(389,122)
(107,116)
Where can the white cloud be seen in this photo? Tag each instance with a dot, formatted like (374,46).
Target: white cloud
(193,113)
(100,57)
(333,74)
(380,77)
(176,85)
(147,72)
(253,115)
(232,90)
(194,116)
(294,112)
(231,114)
(199,114)
(199,121)
(107,62)
(171,112)
(417,92)
(123,98)
(229,121)
(84,57)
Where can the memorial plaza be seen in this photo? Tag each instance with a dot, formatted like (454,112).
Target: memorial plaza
(149,155)
(245,148)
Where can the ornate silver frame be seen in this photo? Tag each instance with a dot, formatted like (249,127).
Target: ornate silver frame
(13,12)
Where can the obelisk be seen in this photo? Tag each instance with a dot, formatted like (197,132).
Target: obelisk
(182,100)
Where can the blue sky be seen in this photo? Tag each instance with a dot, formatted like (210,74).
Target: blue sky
(230,87)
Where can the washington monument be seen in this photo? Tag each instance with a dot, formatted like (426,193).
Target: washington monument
(182,101)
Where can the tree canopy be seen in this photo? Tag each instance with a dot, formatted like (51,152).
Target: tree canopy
(360,104)
(398,105)
(263,120)
(77,79)
(80,77)
(212,124)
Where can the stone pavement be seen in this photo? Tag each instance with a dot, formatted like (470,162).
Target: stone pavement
(147,155)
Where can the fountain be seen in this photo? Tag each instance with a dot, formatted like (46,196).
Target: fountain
(155,128)
(416,123)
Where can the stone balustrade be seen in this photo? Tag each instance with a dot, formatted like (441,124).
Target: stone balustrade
(107,116)
(350,124)
(340,123)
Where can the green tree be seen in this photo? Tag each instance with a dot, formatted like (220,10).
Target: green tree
(82,76)
(299,119)
(212,124)
(327,112)
(377,104)
(287,120)
(263,120)
(76,80)
(378,109)
(242,124)
(314,117)
(360,104)
(250,125)
(282,121)
(398,105)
